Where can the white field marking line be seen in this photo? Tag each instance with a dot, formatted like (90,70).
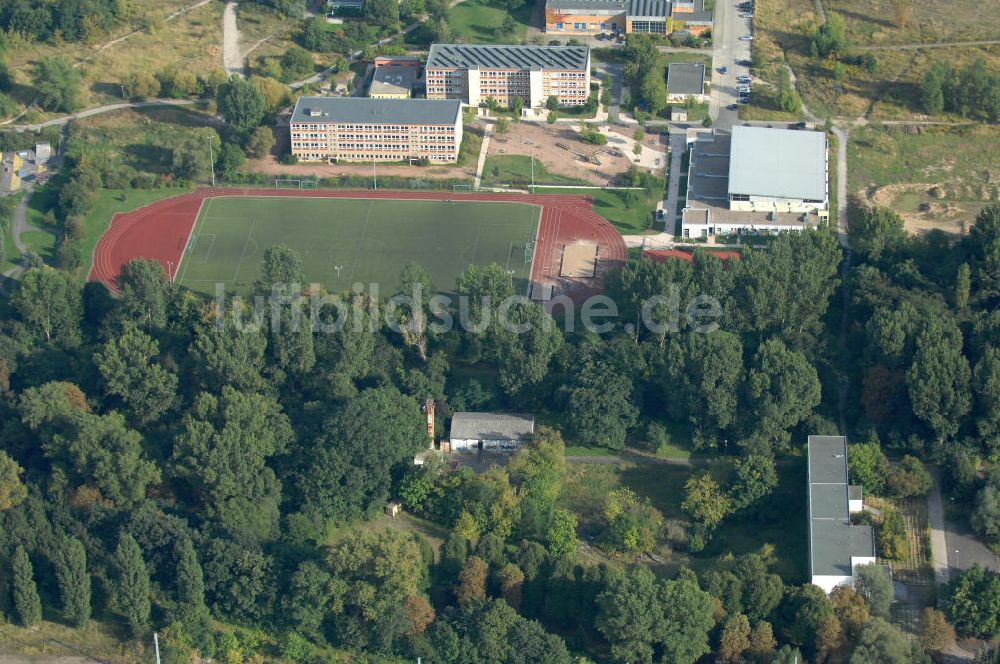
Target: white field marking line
(243,255)
(198,219)
(361,239)
(210,245)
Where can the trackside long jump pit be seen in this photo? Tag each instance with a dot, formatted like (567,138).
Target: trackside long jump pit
(218,236)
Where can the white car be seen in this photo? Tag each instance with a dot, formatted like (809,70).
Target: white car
(746,38)
(746,15)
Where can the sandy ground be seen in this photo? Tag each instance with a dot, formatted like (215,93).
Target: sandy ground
(529,138)
(948,216)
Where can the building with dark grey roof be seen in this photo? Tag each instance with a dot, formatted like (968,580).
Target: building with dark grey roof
(490,431)
(684,80)
(364,129)
(474,73)
(835,546)
(587,17)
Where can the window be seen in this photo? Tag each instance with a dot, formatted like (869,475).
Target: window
(604,26)
(559,26)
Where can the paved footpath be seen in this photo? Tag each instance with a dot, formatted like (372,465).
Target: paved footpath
(935,514)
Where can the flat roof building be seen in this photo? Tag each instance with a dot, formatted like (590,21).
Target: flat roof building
(755,180)
(392,83)
(685,80)
(474,73)
(364,129)
(626,16)
(835,546)
(490,431)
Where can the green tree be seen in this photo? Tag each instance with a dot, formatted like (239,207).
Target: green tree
(275,94)
(704,501)
(128,366)
(27,604)
(221,455)
(383,13)
(963,286)
(972,602)
(938,379)
(831,37)
(552,103)
(261,142)
(877,232)
(936,633)
(756,477)
(307,602)
(629,614)
(869,467)
(12,489)
(241,104)
(512,585)
(788,98)
(601,398)
(688,613)
(145,293)
(984,248)
(281,267)
(704,376)
(885,643)
(141,85)
(803,610)
(133,584)
(190,582)
(783,388)
(502,126)
(58,84)
(562,533)
(230,161)
(873,583)
(74,582)
(762,642)
(49,302)
(932,87)
(524,356)
(891,534)
(910,478)
(985,517)
(230,353)
(297,63)
(654,91)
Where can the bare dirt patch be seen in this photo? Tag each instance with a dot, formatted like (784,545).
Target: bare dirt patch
(921,211)
(541,141)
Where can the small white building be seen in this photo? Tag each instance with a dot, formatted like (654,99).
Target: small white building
(496,432)
(43,152)
(836,547)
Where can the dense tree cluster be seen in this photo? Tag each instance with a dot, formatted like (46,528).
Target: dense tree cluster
(972,91)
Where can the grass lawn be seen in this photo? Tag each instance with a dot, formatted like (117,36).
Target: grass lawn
(192,41)
(109,202)
(629,217)
(368,240)
(50,640)
(479,22)
(782,520)
(472,143)
(12,256)
(515,170)
(582,451)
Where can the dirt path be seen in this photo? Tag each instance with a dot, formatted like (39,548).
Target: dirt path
(231,58)
(917,47)
(108,108)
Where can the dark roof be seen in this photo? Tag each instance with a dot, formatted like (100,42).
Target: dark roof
(833,541)
(686,78)
(491,426)
(648,8)
(361,110)
(392,79)
(463,56)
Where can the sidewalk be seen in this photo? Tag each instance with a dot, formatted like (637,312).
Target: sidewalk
(483,151)
(935,515)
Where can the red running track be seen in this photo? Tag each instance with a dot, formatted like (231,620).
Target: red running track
(160,231)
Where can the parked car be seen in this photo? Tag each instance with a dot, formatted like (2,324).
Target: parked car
(799,125)
(746,15)
(746,38)
(723,70)
(731,107)
(744,63)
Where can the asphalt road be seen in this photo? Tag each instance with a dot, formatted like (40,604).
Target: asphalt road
(727,48)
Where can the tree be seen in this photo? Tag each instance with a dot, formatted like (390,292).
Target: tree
(704,500)
(307,601)
(972,601)
(58,84)
(653,91)
(704,376)
(851,610)
(145,293)
(938,379)
(891,534)
(788,98)
(221,455)
(133,584)
(524,357)
(472,581)
(629,613)
(910,478)
(552,103)
(502,126)
(601,398)
(632,525)
(783,389)
(383,13)
(562,533)
(873,583)
(831,37)
(230,161)
(985,517)
(128,366)
(882,642)
(932,87)
(74,582)
(296,63)
(762,643)
(688,616)
(735,639)
(141,85)
(984,247)
(936,634)
(803,609)
(869,467)
(12,489)
(27,604)
(276,95)
(190,582)
(241,104)
(963,286)
(511,585)
(756,477)
(49,302)
(261,142)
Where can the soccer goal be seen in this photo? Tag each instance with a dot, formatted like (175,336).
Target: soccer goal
(288,184)
(308,184)
(461,188)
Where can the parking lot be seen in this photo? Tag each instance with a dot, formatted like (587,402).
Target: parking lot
(731,57)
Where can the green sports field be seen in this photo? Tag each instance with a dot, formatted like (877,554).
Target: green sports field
(368,240)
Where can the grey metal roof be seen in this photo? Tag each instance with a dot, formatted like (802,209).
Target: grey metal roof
(686,78)
(392,79)
(783,163)
(833,541)
(491,426)
(361,110)
(655,9)
(464,56)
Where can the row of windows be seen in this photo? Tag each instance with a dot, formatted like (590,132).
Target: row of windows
(589,26)
(650,27)
(318,156)
(375,146)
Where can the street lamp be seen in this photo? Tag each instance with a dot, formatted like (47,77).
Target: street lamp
(958,565)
